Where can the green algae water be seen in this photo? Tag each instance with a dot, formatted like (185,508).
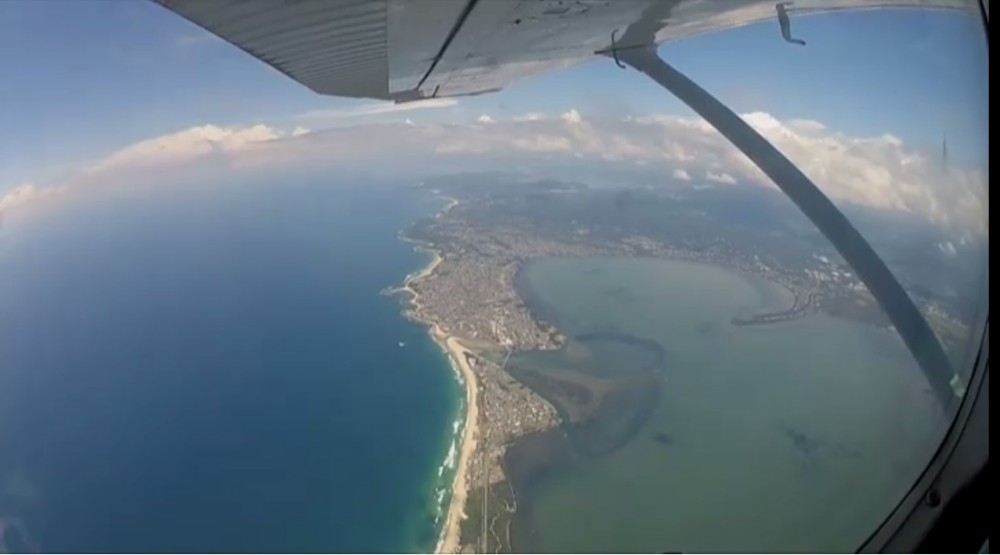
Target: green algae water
(795,436)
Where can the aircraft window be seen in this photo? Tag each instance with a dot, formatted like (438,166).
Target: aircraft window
(398,276)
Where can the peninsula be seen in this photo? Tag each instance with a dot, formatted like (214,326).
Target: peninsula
(468,298)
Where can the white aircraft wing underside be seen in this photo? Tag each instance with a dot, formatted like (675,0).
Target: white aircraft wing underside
(411,49)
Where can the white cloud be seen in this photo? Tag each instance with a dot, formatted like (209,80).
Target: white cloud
(806,126)
(543,143)
(530,116)
(377,108)
(572,117)
(20,195)
(948,248)
(485,118)
(880,172)
(299,131)
(189,144)
(720,177)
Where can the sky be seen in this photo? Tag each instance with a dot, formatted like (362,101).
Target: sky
(85,82)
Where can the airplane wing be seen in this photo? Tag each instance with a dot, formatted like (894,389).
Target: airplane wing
(405,50)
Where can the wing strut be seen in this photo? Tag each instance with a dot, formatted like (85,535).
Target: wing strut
(903,314)
(786,24)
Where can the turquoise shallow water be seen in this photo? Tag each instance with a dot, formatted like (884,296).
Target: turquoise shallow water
(798,436)
(212,369)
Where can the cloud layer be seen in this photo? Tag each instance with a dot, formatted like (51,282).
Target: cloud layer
(20,195)
(377,108)
(878,172)
(185,146)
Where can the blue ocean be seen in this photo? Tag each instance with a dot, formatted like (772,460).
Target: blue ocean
(212,368)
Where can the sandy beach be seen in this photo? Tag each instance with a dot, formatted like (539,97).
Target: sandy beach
(451,534)
(423,273)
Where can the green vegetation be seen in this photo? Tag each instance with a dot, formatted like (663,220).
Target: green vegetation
(500,511)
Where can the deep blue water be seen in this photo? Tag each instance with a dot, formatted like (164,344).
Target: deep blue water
(212,369)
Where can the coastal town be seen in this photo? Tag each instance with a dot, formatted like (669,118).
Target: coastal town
(468,296)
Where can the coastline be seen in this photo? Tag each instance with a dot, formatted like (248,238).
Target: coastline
(450,535)
(449,539)
(451,532)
